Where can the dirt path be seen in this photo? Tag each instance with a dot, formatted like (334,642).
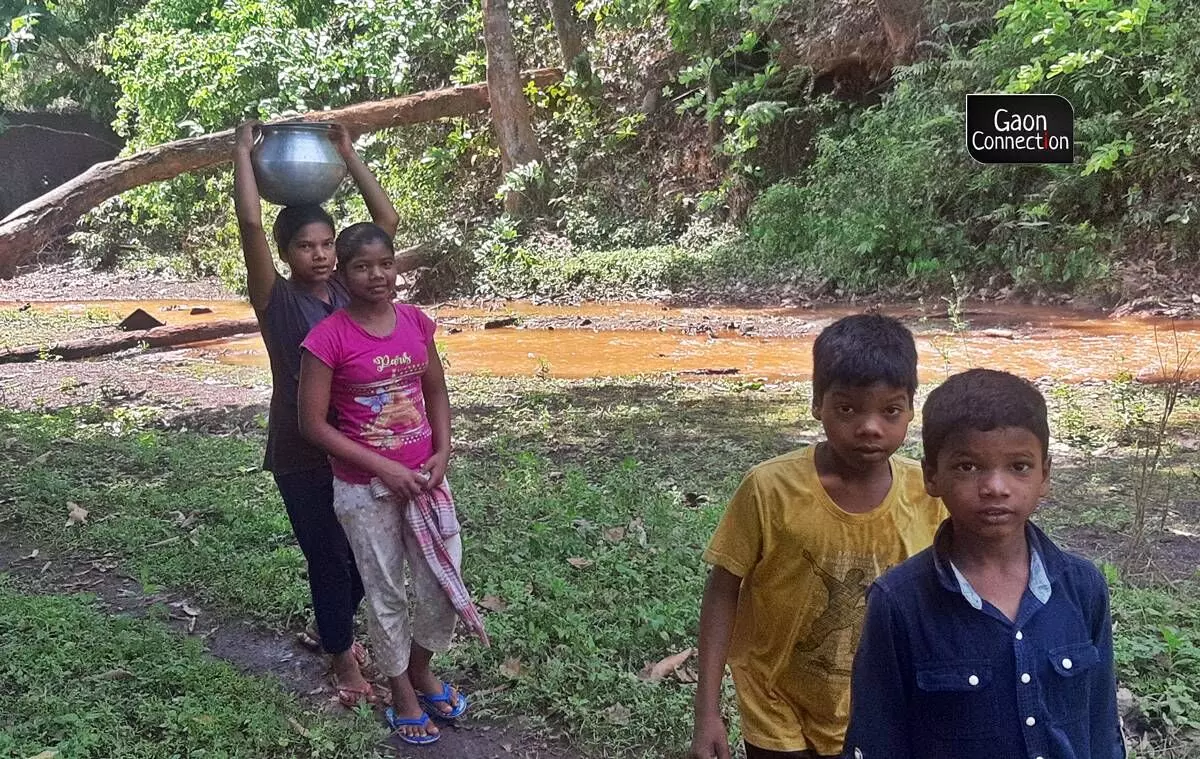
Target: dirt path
(250,648)
(164,380)
(76,281)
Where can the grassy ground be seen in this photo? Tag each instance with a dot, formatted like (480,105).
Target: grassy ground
(34,327)
(586,505)
(80,683)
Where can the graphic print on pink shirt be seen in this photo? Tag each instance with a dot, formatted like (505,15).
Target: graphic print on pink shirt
(376,386)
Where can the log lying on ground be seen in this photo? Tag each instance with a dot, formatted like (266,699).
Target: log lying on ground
(407,259)
(159,337)
(39,222)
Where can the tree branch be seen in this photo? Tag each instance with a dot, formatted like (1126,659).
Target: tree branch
(41,221)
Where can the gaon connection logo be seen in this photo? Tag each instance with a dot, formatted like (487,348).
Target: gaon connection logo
(1020,129)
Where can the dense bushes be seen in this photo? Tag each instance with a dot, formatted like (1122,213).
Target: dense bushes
(863,196)
(891,194)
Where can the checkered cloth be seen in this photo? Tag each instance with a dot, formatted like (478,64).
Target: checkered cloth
(431,517)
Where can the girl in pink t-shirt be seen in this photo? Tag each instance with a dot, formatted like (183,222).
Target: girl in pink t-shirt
(374,363)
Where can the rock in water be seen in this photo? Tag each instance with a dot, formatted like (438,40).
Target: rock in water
(137,321)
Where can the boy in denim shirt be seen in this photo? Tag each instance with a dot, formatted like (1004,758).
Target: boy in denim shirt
(994,642)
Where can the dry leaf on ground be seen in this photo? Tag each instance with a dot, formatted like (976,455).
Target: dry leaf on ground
(617,714)
(76,514)
(115,674)
(300,729)
(653,673)
(511,668)
(614,534)
(579,563)
(493,603)
(637,529)
(182,520)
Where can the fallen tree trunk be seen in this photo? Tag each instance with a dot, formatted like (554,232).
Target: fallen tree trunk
(159,337)
(34,225)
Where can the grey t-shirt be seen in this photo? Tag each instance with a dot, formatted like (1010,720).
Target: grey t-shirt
(289,315)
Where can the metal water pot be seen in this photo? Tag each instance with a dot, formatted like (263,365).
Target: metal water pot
(296,164)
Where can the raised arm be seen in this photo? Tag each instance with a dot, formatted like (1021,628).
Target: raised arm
(437,408)
(316,379)
(379,204)
(260,263)
(717,613)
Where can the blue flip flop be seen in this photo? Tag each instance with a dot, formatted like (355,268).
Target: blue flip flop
(430,704)
(413,740)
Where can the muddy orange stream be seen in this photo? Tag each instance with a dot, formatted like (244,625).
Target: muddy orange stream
(1032,341)
(630,339)
(170,312)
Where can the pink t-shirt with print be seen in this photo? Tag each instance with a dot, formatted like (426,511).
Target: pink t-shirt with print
(376,388)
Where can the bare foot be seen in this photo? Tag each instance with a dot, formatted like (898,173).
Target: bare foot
(349,678)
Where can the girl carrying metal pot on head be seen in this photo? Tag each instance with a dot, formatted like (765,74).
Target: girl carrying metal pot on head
(287,308)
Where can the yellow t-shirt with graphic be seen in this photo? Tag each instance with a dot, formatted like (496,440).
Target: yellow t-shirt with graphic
(805,566)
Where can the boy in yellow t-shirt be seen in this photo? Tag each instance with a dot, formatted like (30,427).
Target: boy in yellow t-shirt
(800,542)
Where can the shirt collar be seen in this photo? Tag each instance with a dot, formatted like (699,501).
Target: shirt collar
(1044,562)
(1039,584)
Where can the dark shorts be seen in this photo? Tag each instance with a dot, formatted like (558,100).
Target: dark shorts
(754,752)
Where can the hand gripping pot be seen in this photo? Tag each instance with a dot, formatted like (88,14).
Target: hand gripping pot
(296,164)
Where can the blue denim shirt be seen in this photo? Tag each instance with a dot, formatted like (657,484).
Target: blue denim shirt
(940,674)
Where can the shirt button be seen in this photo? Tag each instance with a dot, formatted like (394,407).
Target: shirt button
(1020,635)
(1025,678)
(1067,664)
(858,754)
(1030,721)
(973,680)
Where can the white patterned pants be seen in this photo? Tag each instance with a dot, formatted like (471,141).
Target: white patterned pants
(382,546)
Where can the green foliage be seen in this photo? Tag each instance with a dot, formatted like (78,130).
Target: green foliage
(76,683)
(625,532)
(188,67)
(1157,650)
(239,532)
(630,475)
(510,266)
(202,65)
(833,225)
(603,198)
(930,211)
(738,84)
(883,195)
(52,53)
(545,471)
